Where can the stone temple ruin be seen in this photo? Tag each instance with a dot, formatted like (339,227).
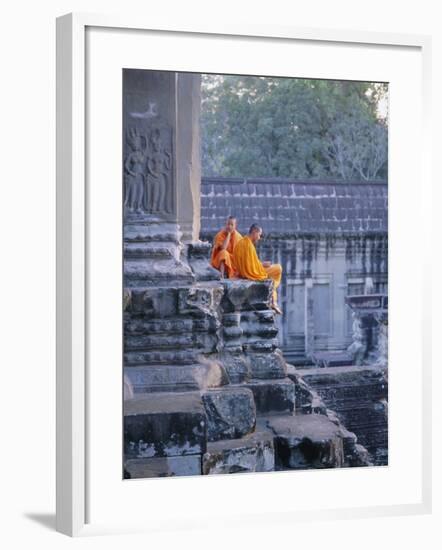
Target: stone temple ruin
(207,386)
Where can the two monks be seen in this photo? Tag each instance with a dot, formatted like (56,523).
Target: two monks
(236,256)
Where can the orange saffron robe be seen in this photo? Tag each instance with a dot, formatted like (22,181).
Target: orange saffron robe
(249,265)
(219,255)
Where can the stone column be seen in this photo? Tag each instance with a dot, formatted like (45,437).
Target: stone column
(161,174)
(188,154)
(309,329)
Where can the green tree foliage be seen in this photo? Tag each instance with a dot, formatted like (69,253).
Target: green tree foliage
(293,128)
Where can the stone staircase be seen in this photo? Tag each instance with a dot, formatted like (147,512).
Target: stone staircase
(210,390)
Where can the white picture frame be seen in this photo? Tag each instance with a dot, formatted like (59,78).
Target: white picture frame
(78,501)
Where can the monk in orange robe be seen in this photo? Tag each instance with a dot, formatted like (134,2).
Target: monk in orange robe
(222,251)
(249,265)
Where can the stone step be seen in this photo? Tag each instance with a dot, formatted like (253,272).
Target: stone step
(151,251)
(199,341)
(306,441)
(176,378)
(272,395)
(143,325)
(164,424)
(251,453)
(149,271)
(167,466)
(164,357)
(230,412)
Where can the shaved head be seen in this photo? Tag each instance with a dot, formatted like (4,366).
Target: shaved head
(255,232)
(231,223)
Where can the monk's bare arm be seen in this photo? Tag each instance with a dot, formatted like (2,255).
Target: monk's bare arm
(226,242)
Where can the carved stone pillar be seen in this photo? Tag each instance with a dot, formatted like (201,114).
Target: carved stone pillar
(162,169)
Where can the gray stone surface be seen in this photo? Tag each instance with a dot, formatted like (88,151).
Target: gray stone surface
(198,254)
(307,441)
(164,424)
(162,467)
(236,364)
(267,365)
(273,395)
(244,295)
(252,453)
(230,412)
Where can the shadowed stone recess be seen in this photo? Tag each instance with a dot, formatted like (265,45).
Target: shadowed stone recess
(307,441)
(273,395)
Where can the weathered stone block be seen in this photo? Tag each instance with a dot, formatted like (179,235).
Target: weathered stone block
(307,441)
(252,453)
(164,424)
(198,253)
(136,468)
(231,412)
(273,395)
(245,295)
(236,364)
(158,302)
(267,365)
(200,300)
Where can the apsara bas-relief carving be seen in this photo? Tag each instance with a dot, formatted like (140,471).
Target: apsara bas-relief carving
(148,170)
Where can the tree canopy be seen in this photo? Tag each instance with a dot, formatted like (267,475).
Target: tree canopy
(293,128)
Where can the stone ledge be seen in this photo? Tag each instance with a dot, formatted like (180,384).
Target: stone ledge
(252,453)
(246,295)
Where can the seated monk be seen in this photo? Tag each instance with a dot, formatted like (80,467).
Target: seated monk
(249,266)
(223,245)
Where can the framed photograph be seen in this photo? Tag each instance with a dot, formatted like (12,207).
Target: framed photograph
(241,282)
